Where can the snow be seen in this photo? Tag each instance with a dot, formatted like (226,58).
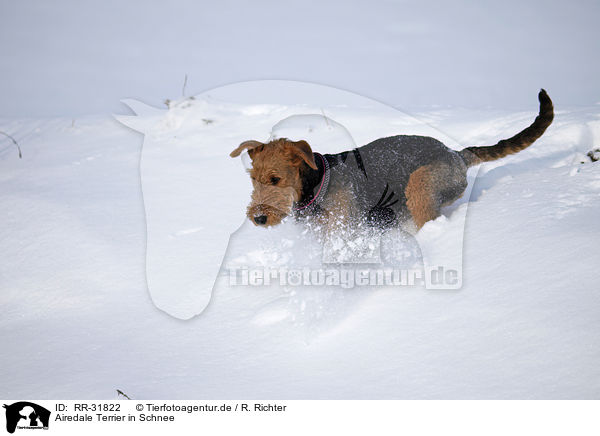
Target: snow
(79,322)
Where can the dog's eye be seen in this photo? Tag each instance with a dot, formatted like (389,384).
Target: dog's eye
(275,180)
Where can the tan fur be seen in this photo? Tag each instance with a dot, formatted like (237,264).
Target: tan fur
(420,196)
(522,140)
(341,211)
(246,145)
(275,176)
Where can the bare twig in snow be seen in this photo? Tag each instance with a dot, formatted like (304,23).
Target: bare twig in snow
(14,142)
(184,84)
(120,392)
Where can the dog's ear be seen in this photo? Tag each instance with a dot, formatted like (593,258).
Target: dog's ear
(303,150)
(246,145)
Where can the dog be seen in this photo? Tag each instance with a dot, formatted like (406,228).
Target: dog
(395,181)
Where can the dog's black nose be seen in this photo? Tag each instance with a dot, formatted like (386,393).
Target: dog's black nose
(260,220)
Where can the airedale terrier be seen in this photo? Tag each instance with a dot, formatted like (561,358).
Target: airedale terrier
(397,180)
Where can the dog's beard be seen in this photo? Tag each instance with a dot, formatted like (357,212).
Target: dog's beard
(274,216)
(273,202)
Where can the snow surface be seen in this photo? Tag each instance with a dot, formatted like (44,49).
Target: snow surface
(78,321)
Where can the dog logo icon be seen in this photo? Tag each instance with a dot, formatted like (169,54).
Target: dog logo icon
(26,415)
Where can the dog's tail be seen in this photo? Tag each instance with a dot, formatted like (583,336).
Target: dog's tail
(522,140)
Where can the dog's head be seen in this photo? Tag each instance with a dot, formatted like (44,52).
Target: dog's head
(276,173)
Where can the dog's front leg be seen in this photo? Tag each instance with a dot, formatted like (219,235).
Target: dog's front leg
(346,240)
(339,212)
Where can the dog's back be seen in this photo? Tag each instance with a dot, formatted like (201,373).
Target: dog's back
(377,175)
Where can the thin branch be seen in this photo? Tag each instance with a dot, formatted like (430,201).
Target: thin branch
(14,142)
(184,84)
(120,392)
